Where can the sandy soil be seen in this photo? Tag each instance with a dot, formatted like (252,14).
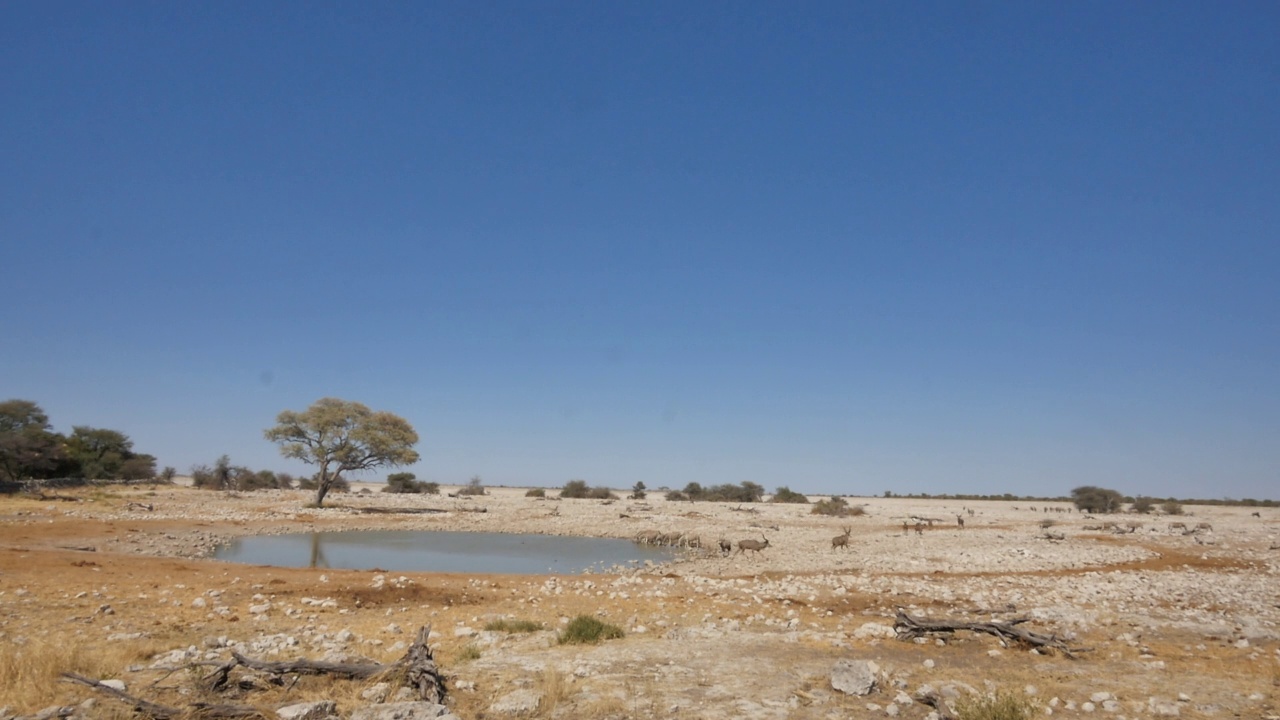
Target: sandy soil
(1172,624)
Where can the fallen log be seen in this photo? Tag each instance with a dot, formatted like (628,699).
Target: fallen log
(165,712)
(416,669)
(909,628)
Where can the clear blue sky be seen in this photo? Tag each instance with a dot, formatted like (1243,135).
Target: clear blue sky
(843,247)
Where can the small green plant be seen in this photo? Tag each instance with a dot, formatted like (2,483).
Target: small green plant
(1002,705)
(513,626)
(587,630)
(536,492)
(469,652)
(638,491)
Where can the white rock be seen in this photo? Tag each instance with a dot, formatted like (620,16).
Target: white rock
(401,711)
(319,710)
(114,684)
(853,677)
(520,702)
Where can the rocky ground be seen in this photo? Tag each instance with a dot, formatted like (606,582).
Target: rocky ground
(1167,624)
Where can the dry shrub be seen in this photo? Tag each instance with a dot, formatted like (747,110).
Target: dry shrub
(554,687)
(1002,705)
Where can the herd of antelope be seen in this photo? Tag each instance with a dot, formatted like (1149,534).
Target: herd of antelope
(841,542)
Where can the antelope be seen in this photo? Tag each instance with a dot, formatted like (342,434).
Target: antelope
(648,537)
(919,528)
(1257,514)
(1204,526)
(960,520)
(726,546)
(753,545)
(670,539)
(1177,526)
(841,541)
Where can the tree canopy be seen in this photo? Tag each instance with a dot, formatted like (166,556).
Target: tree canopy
(340,436)
(1097,500)
(29,448)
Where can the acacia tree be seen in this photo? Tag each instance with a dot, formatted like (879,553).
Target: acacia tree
(28,446)
(340,436)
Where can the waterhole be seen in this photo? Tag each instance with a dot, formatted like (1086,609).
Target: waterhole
(438,551)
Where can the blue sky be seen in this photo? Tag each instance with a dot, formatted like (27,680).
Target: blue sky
(847,248)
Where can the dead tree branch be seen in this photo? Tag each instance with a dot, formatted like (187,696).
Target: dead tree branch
(909,628)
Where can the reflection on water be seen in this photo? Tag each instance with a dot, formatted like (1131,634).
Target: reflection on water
(422,551)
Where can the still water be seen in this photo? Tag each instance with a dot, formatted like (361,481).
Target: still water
(423,551)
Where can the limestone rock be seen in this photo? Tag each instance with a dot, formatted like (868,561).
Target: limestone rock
(401,711)
(320,710)
(853,677)
(520,702)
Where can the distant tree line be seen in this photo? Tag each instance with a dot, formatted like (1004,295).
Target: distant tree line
(31,450)
(745,492)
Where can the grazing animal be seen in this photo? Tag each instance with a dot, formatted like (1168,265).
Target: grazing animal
(1257,514)
(1204,526)
(670,539)
(1177,526)
(919,528)
(648,537)
(841,541)
(726,546)
(960,520)
(753,545)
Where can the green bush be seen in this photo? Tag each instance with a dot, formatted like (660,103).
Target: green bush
(676,496)
(536,492)
(404,482)
(1088,498)
(513,626)
(474,487)
(578,489)
(1142,505)
(574,489)
(638,492)
(835,507)
(785,494)
(1000,706)
(1172,507)
(587,630)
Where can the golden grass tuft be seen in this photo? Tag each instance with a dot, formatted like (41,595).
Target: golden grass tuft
(32,671)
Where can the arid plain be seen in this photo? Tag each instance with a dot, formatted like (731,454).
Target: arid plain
(114,583)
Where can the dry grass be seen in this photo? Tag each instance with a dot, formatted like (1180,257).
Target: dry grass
(32,671)
(555,689)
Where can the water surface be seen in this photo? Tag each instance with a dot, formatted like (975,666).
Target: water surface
(438,551)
